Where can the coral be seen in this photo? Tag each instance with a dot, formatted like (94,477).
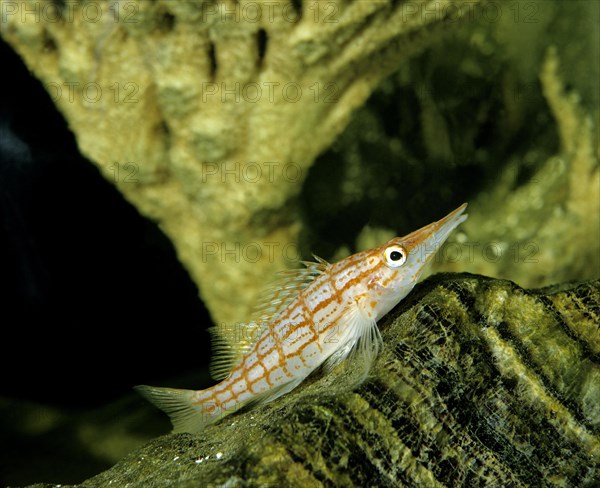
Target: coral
(486,117)
(207,115)
(544,230)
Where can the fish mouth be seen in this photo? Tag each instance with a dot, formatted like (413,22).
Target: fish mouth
(428,239)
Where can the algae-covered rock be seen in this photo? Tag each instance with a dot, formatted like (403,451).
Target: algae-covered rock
(481,383)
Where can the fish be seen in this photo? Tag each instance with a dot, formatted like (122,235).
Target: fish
(311,318)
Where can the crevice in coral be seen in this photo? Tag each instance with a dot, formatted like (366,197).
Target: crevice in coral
(48,42)
(212,56)
(164,130)
(60,4)
(167,22)
(297,4)
(261,39)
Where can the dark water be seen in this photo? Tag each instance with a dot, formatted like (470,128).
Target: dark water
(93,300)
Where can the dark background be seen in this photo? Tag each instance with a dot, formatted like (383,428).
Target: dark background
(92,298)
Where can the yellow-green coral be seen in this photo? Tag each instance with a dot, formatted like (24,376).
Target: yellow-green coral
(189,115)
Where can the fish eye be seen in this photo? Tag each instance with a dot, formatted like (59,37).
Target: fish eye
(395,256)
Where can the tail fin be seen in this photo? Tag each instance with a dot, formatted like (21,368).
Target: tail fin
(186,412)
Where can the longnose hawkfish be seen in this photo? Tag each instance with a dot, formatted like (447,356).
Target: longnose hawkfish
(315,316)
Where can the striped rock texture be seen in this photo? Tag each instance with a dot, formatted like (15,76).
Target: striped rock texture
(481,383)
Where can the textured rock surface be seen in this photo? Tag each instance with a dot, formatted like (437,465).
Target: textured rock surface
(207,115)
(482,383)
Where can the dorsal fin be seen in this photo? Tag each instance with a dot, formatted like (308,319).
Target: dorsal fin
(285,288)
(231,342)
